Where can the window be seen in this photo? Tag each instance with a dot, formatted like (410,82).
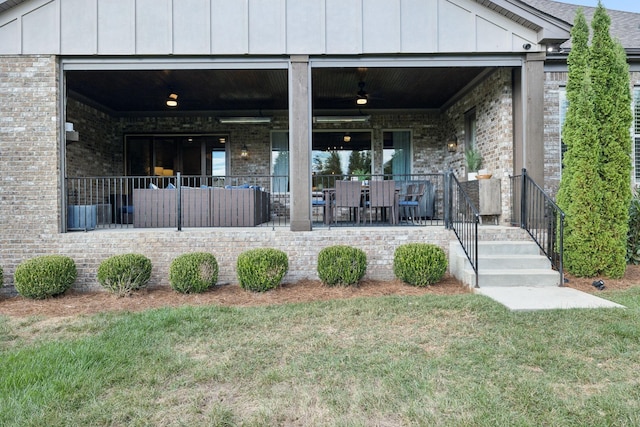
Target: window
(333,153)
(470,129)
(166,155)
(280,162)
(341,153)
(396,153)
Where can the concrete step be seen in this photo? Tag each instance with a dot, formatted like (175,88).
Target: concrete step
(513,262)
(507,248)
(504,264)
(510,278)
(525,277)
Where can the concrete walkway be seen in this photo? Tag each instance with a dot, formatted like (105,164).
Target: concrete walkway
(528,298)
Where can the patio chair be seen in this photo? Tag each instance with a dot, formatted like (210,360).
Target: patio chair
(320,202)
(348,194)
(382,195)
(410,202)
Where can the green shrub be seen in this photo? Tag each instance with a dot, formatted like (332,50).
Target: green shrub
(1,277)
(45,276)
(341,265)
(419,264)
(122,274)
(193,272)
(261,269)
(633,238)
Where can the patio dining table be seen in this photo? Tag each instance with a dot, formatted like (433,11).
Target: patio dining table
(328,198)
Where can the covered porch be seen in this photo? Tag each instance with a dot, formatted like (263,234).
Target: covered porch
(419,118)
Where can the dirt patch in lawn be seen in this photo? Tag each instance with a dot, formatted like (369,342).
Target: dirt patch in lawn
(73,303)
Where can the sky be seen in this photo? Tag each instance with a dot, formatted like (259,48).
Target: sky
(626,5)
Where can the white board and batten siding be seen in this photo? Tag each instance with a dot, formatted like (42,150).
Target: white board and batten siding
(258,27)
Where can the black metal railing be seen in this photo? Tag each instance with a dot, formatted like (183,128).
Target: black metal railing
(534,211)
(463,218)
(429,210)
(194,201)
(175,201)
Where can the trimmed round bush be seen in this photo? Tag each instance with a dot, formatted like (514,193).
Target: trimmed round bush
(419,264)
(193,273)
(341,265)
(123,274)
(45,276)
(261,269)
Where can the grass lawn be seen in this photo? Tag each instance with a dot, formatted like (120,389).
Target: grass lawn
(460,360)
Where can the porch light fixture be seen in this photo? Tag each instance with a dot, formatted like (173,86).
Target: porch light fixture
(341,119)
(554,48)
(244,154)
(172,100)
(362,98)
(452,144)
(244,120)
(346,137)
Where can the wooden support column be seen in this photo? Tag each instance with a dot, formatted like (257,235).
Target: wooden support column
(528,117)
(300,142)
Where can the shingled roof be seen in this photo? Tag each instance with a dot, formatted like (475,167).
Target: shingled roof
(625,26)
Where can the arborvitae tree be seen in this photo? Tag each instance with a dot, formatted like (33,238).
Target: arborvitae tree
(612,107)
(595,191)
(579,190)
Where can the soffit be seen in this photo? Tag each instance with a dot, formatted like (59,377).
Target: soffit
(256,91)
(8,4)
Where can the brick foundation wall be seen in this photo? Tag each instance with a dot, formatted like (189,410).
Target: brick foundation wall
(88,249)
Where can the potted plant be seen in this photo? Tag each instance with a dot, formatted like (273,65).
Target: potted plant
(474,162)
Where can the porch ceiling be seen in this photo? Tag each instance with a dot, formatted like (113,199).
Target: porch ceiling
(253,91)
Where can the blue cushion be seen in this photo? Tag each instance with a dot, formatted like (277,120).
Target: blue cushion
(170,186)
(152,186)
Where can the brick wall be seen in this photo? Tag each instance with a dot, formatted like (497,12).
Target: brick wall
(163,245)
(99,152)
(492,100)
(29,157)
(30,181)
(553,84)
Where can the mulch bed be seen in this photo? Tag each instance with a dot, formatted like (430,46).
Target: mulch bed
(74,303)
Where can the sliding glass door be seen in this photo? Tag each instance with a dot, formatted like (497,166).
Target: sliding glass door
(165,155)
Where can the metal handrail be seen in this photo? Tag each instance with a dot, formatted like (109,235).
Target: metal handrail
(541,218)
(463,218)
